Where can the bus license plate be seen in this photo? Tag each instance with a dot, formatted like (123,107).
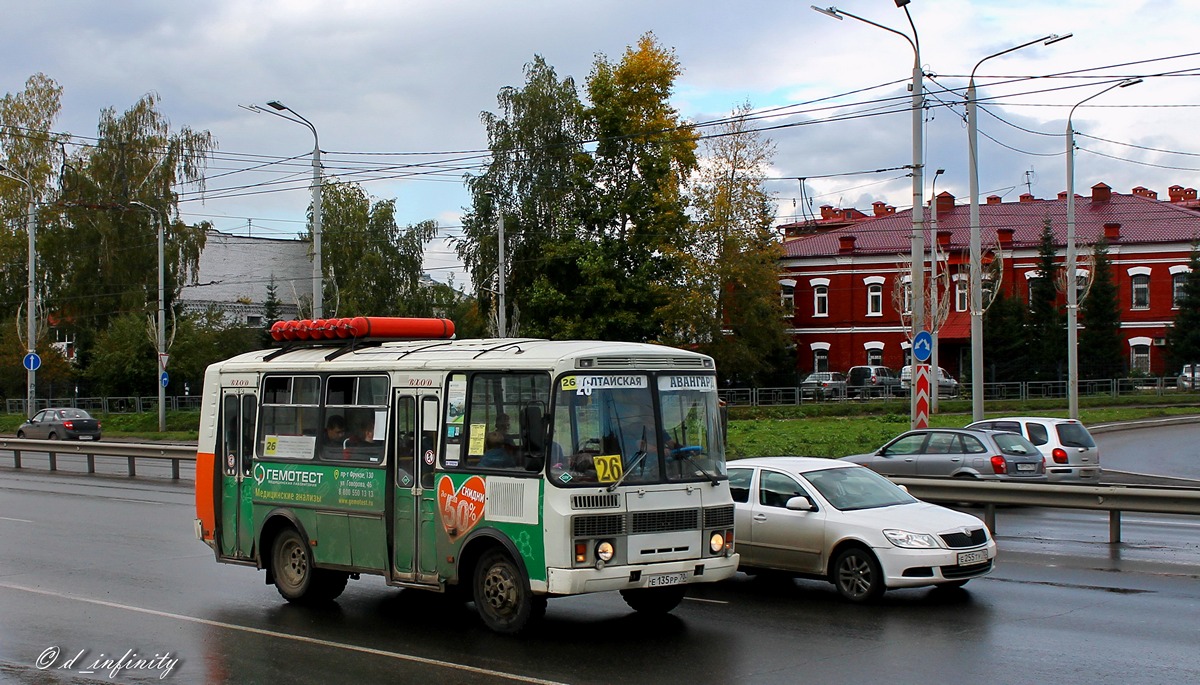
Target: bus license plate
(968,558)
(664,579)
(1026,467)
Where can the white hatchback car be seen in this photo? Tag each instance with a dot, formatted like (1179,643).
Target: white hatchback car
(1067,447)
(836,521)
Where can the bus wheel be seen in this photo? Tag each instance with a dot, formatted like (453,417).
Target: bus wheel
(292,567)
(654,600)
(329,585)
(502,595)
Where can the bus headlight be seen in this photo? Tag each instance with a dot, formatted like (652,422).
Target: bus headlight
(716,543)
(604,551)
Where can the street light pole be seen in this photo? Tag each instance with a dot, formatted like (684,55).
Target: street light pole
(317,277)
(31,304)
(933,295)
(917,245)
(976,266)
(502,315)
(1072,278)
(160,322)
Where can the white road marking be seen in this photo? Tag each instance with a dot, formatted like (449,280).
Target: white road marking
(5,518)
(287,636)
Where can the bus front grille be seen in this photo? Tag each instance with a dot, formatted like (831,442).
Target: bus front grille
(664,521)
(598,525)
(719,517)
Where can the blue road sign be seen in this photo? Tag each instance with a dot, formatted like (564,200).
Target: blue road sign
(32,362)
(163,379)
(923,346)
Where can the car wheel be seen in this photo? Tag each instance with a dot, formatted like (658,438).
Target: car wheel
(52,436)
(857,575)
(502,595)
(654,600)
(21,435)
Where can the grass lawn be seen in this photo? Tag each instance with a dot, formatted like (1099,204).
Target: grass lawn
(836,429)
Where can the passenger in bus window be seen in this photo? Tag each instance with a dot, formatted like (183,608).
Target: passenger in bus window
(335,435)
(361,443)
(497,454)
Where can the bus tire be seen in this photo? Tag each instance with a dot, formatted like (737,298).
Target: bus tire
(292,568)
(329,585)
(502,595)
(654,600)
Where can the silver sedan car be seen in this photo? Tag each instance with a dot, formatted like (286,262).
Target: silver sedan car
(830,520)
(957,453)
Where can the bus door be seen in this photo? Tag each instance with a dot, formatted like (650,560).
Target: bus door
(236,450)
(414,555)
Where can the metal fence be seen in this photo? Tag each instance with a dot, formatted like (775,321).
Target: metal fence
(107,405)
(1026,390)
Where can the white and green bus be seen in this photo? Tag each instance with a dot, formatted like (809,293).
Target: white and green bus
(507,470)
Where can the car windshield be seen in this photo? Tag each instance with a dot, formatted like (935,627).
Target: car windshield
(1074,435)
(1014,445)
(606,430)
(848,489)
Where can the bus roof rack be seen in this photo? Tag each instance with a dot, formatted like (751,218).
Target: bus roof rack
(353,333)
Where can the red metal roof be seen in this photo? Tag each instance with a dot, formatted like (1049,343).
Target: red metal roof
(1141,219)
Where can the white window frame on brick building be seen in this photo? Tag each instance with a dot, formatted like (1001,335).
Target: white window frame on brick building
(961,292)
(787,296)
(1139,288)
(820,353)
(1139,354)
(1179,276)
(874,350)
(874,295)
(820,288)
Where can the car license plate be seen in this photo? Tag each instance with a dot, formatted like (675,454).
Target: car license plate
(969,558)
(86,437)
(664,579)
(1026,467)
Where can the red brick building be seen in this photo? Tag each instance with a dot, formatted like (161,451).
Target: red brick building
(838,274)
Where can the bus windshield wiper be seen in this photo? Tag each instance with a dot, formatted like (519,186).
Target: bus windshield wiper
(686,454)
(637,459)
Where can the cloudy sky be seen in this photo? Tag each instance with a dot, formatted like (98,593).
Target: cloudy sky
(390,85)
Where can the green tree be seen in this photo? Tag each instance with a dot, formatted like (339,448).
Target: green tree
(124,362)
(202,338)
(1004,342)
(30,155)
(1100,341)
(1045,325)
(372,267)
(536,178)
(644,156)
(726,296)
(101,257)
(1183,338)
(272,308)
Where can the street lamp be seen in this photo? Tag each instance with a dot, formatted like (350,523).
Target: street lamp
(31,305)
(1072,279)
(317,277)
(160,328)
(933,295)
(976,268)
(918,182)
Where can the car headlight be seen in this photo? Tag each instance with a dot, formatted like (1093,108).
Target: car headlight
(903,538)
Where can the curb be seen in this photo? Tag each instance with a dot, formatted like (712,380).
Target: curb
(1142,423)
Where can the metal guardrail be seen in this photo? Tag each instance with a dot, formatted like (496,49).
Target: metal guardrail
(1111,498)
(91,450)
(1114,499)
(1026,390)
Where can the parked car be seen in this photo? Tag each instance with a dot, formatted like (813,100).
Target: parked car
(1189,377)
(1070,453)
(872,381)
(835,521)
(61,423)
(957,453)
(824,385)
(947,385)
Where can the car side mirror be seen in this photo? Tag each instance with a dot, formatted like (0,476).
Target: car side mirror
(800,503)
(902,487)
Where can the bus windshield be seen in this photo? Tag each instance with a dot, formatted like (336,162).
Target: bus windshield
(607,429)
